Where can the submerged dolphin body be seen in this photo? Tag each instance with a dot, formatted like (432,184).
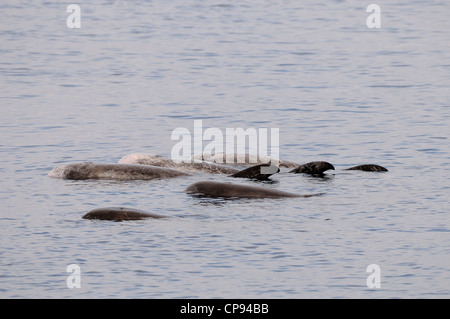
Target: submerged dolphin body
(119,214)
(81,171)
(216,189)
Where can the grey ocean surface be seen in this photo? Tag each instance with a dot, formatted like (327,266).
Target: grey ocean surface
(136,70)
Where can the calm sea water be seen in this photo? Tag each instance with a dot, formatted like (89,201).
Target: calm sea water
(136,70)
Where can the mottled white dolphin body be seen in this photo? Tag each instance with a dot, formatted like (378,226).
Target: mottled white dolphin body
(193,166)
(88,170)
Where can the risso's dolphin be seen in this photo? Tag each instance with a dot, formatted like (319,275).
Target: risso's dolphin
(119,214)
(313,168)
(217,189)
(318,168)
(189,167)
(260,171)
(368,168)
(79,171)
(82,171)
(242,159)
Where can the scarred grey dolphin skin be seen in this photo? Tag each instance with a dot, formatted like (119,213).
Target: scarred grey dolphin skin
(189,167)
(368,168)
(81,171)
(216,189)
(119,214)
(255,172)
(313,168)
(243,159)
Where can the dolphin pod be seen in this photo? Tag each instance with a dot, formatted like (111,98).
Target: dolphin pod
(148,167)
(209,164)
(209,189)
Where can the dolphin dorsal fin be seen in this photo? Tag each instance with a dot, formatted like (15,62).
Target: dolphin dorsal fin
(259,172)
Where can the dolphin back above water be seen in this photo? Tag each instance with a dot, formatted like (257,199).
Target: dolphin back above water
(189,167)
(259,171)
(313,168)
(368,168)
(209,164)
(88,170)
(318,168)
(119,214)
(83,171)
(243,159)
(217,189)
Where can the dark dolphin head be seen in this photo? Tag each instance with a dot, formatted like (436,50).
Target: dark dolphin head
(313,168)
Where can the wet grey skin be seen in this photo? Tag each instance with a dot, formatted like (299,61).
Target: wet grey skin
(244,159)
(227,190)
(368,168)
(259,172)
(119,214)
(82,171)
(190,167)
(313,168)
(318,168)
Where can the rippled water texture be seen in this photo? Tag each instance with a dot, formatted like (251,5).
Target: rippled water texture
(135,71)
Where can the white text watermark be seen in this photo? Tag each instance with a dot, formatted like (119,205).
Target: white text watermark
(374,20)
(191,145)
(74,279)
(374,279)
(73,21)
